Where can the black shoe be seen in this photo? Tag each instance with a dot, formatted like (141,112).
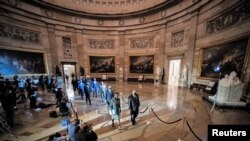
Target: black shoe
(113,125)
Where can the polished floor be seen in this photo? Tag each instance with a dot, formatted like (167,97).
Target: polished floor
(173,105)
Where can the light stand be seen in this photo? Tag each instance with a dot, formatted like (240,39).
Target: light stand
(215,99)
(149,112)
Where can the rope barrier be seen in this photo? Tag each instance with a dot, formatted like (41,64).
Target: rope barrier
(144,111)
(193,132)
(165,121)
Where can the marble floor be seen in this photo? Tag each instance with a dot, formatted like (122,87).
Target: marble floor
(174,106)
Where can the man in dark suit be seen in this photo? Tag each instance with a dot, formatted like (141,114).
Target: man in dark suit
(87,91)
(133,104)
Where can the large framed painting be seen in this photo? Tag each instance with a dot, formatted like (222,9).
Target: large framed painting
(21,62)
(142,64)
(102,64)
(217,61)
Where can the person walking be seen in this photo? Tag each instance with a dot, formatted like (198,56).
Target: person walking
(115,107)
(133,104)
(109,96)
(87,91)
(103,88)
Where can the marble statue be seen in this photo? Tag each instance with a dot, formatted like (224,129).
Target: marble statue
(229,91)
(157,72)
(120,72)
(184,73)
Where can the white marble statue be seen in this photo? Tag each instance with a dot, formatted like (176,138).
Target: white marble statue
(120,72)
(229,91)
(184,73)
(157,72)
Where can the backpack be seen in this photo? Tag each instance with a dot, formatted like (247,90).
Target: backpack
(53,114)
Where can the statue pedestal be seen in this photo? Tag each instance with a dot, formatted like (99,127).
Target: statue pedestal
(183,83)
(228,96)
(157,82)
(121,79)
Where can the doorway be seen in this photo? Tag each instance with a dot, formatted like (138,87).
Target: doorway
(68,70)
(174,72)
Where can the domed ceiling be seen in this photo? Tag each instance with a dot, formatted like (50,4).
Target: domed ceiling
(107,8)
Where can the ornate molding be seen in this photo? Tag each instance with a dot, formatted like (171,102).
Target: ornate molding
(48,13)
(177,39)
(147,42)
(17,33)
(101,44)
(236,15)
(67,52)
(100,22)
(142,20)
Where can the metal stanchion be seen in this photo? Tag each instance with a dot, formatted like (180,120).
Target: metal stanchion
(181,136)
(149,112)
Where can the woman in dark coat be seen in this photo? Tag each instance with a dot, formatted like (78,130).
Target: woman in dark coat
(115,106)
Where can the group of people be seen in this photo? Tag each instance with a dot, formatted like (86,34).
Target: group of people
(76,132)
(81,131)
(91,86)
(12,91)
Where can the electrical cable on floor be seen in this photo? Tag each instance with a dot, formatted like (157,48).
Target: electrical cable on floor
(193,132)
(165,121)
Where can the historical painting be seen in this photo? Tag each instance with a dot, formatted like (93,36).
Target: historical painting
(142,64)
(21,62)
(102,64)
(220,60)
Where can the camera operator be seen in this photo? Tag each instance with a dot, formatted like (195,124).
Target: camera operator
(85,133)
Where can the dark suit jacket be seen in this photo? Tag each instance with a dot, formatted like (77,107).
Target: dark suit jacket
(134,102)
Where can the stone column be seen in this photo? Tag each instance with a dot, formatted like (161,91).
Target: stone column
(189,55)
(121,54)
(162,62)
(80,52)
(53,47)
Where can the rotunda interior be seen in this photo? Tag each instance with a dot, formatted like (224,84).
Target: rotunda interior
(188,61)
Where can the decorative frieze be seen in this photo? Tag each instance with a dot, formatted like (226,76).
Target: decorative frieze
(147,42)
(67,52)
(177,39)
(110,3)
(101,44)
(17,33)
(236,15)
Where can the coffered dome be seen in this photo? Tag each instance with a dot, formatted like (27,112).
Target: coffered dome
(108,8)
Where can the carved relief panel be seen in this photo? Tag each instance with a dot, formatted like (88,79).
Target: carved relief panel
(236,15)
(101,44)
(67,51)
(177,39)
(147,42)
(17,33)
